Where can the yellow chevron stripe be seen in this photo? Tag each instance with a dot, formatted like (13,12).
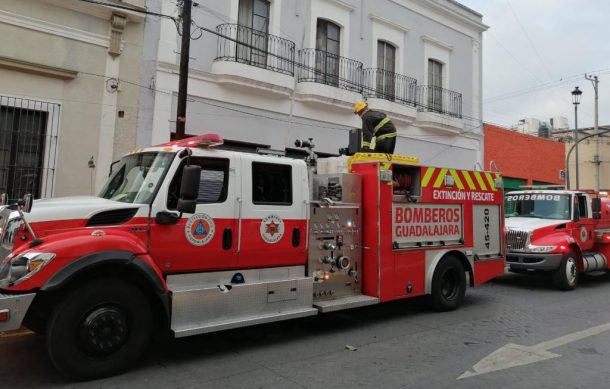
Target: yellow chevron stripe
(456,177)
(469,181)
(427,176)
(482,185)
(491,181)
(440,178)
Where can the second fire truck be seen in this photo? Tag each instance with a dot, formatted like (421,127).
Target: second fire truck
(188,239)
(561,232)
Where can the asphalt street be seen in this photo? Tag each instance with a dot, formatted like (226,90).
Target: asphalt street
(555,340)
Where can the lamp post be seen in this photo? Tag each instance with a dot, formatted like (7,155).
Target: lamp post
(576,93)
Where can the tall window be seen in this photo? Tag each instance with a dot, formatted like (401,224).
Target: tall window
(386,68)
(328,47)
(22,140)
(253,30)
(435,83)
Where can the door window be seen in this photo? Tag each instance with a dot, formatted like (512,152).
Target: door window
(253,30)
(271,184)
(328,47)
(435,85)
(386,65)
(213,182)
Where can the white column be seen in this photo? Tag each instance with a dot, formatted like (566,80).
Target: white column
(107,123)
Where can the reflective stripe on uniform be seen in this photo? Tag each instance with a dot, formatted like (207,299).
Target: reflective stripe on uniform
(366,144)
(385,136)
(382,123)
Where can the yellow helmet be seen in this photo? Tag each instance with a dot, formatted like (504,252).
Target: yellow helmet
(359,106)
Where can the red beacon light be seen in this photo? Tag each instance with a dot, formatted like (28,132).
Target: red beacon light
(204,141)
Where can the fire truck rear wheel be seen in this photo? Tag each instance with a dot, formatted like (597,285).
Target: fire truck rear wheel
(448,284)
(566,277)
(99,329)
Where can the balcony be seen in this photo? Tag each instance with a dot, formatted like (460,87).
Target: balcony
(328,78)
(391,92)
(439,108)
(436,99)
(386,85)
(329,69)
(241,50)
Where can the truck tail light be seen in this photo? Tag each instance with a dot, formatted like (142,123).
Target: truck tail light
(4,315)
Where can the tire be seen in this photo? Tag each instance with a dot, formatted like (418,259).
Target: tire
(99,329)
(448,284)
(566,277)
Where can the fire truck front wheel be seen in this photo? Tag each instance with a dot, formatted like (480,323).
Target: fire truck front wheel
(99,329)
(566,277)
(448,284)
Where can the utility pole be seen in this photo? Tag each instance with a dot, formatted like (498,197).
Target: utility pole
(184,68)
(596,158)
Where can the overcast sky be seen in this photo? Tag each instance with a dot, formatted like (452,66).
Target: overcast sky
(534,54)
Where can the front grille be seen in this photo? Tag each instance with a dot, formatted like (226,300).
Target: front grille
(110,218)
(516,240)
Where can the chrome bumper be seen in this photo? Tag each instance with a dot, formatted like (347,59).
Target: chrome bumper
(533,261)
(14,307)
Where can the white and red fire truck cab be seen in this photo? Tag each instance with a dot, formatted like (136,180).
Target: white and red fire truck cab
(261,238)
(563,232)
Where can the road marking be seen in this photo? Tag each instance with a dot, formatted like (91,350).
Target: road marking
(513,355)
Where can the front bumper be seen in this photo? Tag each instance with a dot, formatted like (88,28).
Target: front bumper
(534,261)
(14,307)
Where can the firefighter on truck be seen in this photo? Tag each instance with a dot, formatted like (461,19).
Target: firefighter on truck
(186,238)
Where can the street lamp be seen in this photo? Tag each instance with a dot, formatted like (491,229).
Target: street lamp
(576,93)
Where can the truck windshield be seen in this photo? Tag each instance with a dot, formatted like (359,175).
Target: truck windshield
(135,178)
(538,205)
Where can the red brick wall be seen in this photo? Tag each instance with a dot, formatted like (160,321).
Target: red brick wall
(523,156)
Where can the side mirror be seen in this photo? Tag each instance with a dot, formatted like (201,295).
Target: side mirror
(26,203)
(187,206)
(164,217)
(596,206)
(189,189)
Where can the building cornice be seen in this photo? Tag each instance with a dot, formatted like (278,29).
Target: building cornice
(53,29)
(432,8)
(36,68)
(343,4)
(388,23)
(436,42)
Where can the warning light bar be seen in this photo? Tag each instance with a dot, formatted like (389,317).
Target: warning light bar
(205,141)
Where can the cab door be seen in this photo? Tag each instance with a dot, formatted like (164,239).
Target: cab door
(584,232)
(205,240)
(273,213)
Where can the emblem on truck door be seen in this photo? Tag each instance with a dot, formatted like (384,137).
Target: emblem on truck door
(199,229)
(272,229)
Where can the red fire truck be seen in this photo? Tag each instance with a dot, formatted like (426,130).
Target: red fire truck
(188,239)
(562,232)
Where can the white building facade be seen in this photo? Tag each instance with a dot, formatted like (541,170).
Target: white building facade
(67,106)
(280,70)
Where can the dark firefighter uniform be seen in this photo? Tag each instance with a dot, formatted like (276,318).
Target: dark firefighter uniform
(378,124)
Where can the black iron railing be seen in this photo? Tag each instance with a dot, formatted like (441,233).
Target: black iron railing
(330,69)
(253,47)
(28,146)
(383,84)
(436,99)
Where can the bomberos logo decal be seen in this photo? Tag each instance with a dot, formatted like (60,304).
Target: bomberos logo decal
(199,229)
(272,229)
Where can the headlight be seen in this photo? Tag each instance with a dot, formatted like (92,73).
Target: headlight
(541,249)
(25,265)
